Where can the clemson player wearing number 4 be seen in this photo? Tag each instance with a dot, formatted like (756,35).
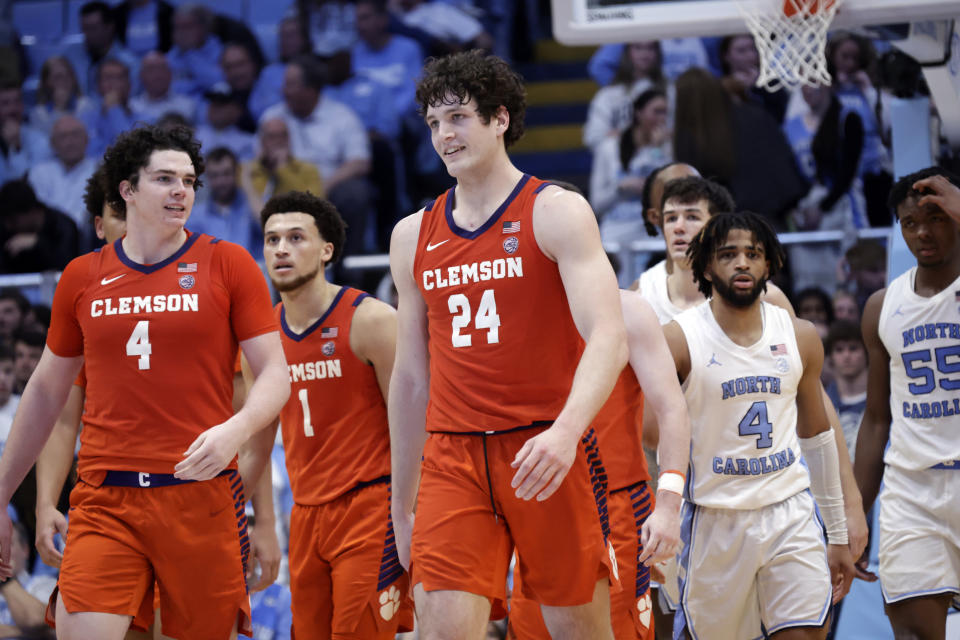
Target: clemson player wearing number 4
(156,319)
(345,577)
(498,279)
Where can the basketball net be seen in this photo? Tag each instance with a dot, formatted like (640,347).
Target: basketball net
(790,36)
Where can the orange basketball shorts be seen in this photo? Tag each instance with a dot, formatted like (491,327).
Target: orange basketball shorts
(630,611)
(190,538)
(345,578)
(468,520)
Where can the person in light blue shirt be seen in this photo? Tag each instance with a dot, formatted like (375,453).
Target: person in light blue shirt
(225,213)
(100,43)
(369,99)
(21,146)
(157,98)
(195,55)
(111,114)
(221,128)
(391,60)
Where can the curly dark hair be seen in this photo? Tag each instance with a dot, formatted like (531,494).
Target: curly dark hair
(903,189)
(131,152)
(714,233)
(693,189)
(490,81)
(329,222)
(95,195)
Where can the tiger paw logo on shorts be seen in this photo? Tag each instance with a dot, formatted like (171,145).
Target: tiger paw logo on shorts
(389,603)
(644,609)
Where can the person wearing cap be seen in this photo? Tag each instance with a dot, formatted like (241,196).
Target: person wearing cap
(225,109)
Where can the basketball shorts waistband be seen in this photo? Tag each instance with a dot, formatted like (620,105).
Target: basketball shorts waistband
(148,480)
(948,465)
(536,424)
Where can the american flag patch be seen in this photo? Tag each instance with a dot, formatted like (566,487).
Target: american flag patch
(511,227)
(186,267)
(957,295)
(329,332)
(778,349)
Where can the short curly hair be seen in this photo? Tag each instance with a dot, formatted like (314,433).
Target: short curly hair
(95,195)
(131,152)
(714,233)
(329,222)
(490,81)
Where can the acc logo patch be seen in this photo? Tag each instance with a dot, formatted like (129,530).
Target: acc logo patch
(644,609)
(187,282)
(782,365)
(328,348)
(511,244)
(389,603)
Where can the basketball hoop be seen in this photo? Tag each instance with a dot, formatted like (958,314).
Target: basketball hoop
(790,36)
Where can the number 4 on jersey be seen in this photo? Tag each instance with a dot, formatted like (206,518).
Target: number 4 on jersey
(139,344)
(755,423)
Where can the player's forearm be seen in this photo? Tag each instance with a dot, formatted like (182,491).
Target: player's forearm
(406,406)
(255,455)
(265,398)
(820,453)
(603,359)
(261,499)
(868,463)
(673,451)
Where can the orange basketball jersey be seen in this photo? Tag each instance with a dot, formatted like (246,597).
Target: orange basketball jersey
(619,427)
(335,431)
(159,343)
(503,345)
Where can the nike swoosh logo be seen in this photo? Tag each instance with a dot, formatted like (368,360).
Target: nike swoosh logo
(431,247)
(109,280)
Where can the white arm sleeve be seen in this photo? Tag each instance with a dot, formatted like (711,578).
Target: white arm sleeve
(823,463)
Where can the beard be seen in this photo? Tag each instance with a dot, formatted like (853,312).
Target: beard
(296,283)
(736,297)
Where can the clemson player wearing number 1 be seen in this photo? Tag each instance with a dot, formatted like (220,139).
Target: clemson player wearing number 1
(345,578)
(155,319)
(498,279)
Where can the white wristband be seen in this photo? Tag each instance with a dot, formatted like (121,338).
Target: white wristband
(671,481)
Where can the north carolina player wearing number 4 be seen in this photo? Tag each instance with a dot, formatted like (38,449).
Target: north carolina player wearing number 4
(345,577)
(156,319)
(510,338)
(913,400)
(755,562)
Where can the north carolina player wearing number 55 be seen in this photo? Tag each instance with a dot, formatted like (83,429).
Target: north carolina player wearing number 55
(156,319)
(913,400)
(498,280)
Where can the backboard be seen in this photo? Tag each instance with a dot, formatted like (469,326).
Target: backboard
(590,22)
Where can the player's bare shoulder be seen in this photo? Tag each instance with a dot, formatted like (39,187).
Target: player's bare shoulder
(561,216)
(403,244)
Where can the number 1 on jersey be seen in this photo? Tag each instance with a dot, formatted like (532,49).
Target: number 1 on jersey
(486,318)
(305,404)
(139,344)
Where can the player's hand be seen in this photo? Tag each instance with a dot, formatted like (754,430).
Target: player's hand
(861,568)
(857,531)
(266,553)
(940,192)
(841,570)
(50,522)
(210,453)
(403,534)
(6,538)
(660,534)
(542,463)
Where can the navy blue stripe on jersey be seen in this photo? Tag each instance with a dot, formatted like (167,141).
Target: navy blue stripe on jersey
(150,268)
(360,298)
(470,235)
(214,240)
(390,567)
(297,337)
(429,206)
(542,187)
(640,498)
(598,480)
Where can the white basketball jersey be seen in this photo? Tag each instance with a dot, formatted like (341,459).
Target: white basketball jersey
(744,450)
(653,288)
(922,336)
